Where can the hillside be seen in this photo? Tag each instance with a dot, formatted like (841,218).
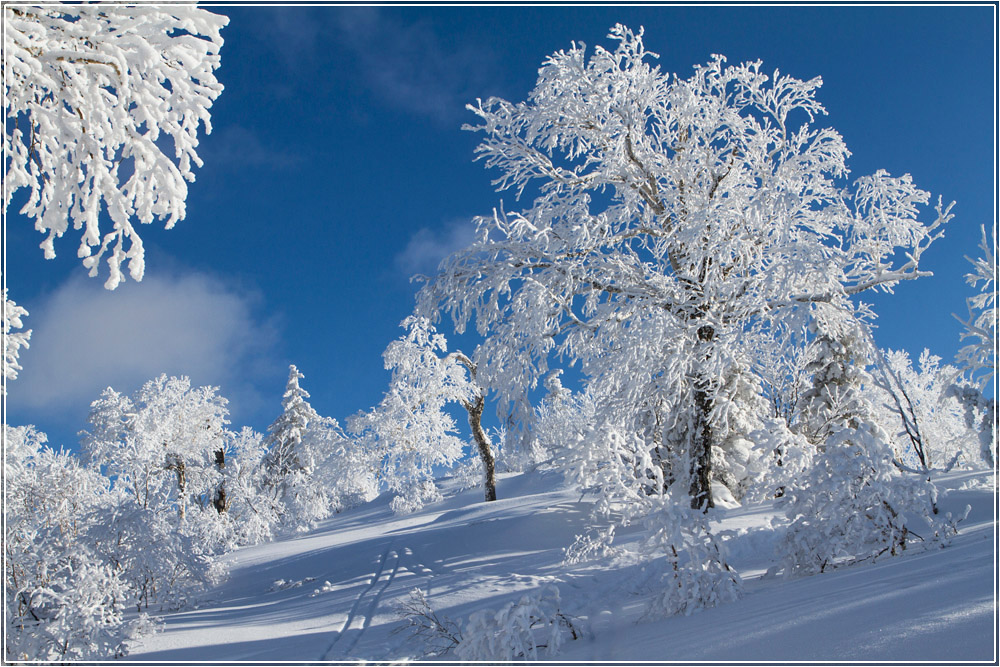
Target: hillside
(332,594)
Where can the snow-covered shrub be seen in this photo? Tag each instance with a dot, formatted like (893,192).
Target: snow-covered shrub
(437,634)
(686,564)
(160,555)
(63,600)
(741,407)
(855,504)
(532,628)
(779,457)
(980,415)
(414,498)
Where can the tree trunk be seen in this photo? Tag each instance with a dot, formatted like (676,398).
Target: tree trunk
(483,442)
(701,438)
(701,452)
(176,463)
(221,502)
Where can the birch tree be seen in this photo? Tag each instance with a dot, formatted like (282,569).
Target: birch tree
(410,431)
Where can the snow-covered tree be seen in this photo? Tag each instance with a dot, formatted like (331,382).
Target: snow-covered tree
(284,440)
(161,442)
(311,467)
(252,515)
(928,421)
(837,361)
(671,216)
(159,446)
(102,106)
(410,432)
(978,358)
(13,341)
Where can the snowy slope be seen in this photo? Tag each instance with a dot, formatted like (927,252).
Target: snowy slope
(331,594)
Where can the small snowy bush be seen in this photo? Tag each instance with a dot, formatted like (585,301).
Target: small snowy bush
(532,628)
(438,634)
(687,563)
(854,504)
(63,602)
(415,498)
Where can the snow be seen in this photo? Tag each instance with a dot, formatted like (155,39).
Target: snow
(340,585)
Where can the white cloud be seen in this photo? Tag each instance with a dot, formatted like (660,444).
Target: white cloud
(427,247)
(86,338)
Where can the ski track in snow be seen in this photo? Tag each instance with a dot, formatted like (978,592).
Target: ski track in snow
(352,614)
(390,561)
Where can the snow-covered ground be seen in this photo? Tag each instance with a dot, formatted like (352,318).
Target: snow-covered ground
(332,594)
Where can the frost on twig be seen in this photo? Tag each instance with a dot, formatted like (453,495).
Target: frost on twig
(102,106)
(438,635)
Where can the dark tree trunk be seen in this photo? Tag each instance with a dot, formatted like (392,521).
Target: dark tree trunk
(701,438)
(701,453)
(221,501)
(483,442)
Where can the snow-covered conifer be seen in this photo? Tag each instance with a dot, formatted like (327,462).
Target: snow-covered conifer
(102,106)
(838,356)
(284,439)
(311,467)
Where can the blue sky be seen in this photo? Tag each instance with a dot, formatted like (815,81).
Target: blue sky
(337,168)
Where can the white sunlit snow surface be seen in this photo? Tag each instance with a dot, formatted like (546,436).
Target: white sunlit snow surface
(331,594)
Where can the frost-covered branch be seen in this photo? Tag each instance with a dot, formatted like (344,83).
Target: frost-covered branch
(13,341)
(102,106)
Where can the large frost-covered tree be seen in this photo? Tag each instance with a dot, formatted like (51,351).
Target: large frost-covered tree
(672,218)
(102,106)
